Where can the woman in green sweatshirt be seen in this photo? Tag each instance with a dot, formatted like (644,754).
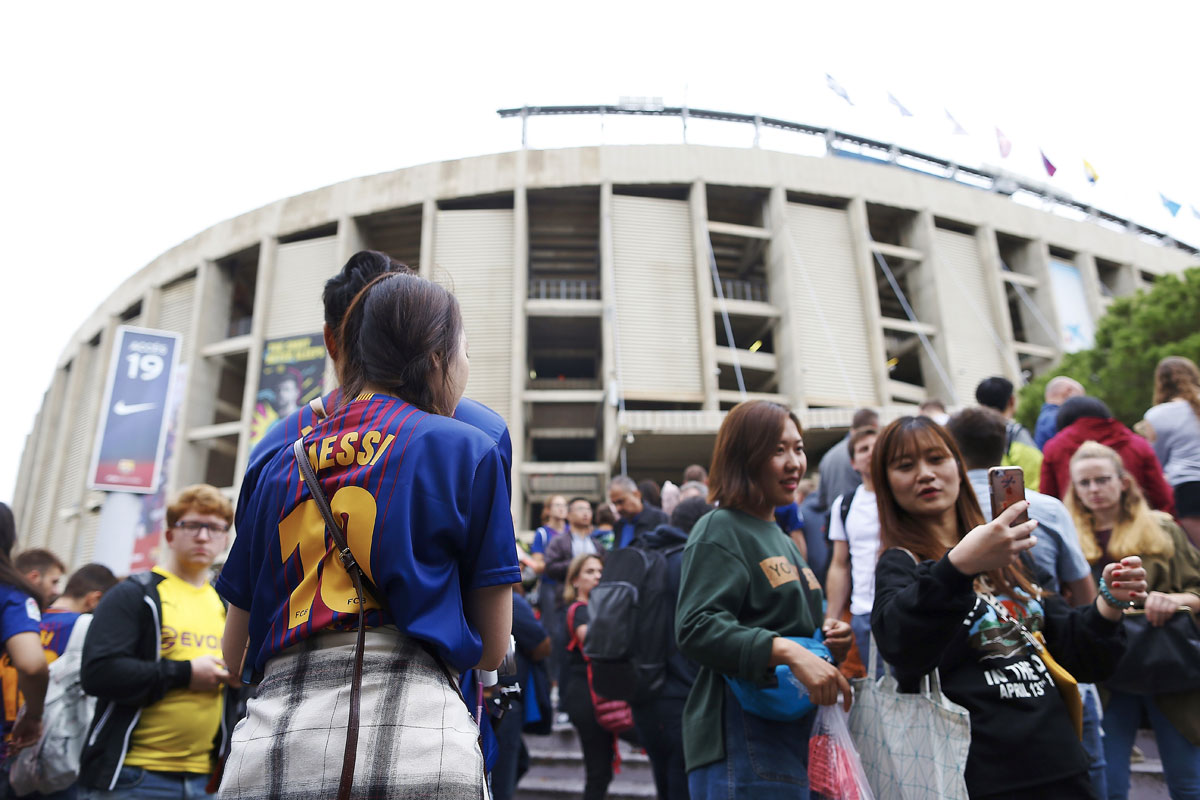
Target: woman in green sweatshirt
(743,589)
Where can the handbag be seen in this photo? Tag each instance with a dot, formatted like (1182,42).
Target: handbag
(779,700)
(912,746)
(1064,681)
(1158,660)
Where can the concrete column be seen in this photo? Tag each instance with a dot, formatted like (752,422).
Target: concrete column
(610,434)
(267,250)
(349,239)
(151,307)
(54,537)
(48,432)
(520,331)
(869,291)
(698,204)
(997,288)
(197,380)
(779,286)
(428,218)
(931,295)
(90,408)
(1039,267)
(1086,264)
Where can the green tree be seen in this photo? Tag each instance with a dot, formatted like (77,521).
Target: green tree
(1131,338)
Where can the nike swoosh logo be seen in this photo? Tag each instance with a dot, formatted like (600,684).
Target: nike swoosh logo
(120,409)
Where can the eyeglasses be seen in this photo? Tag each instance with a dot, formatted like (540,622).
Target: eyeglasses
(1099,482)
(193,527)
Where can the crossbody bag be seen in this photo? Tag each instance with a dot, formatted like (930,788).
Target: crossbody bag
(1064,681)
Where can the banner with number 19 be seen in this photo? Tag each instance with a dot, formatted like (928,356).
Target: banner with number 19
(133,416)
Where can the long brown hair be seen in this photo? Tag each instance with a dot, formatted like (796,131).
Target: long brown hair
(1137,531)
(400,333)
(747,438)
(1176,378)
(906,438)
(9,573)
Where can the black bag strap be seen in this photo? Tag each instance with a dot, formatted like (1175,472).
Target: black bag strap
(360,579)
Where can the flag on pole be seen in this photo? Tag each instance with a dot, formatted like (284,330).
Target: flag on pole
(1171,205)
(1003,142)
(1090,172)
(959,130)
(904,112)
(1050,168)
(837,89)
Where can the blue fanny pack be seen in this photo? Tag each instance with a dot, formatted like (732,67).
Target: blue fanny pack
(781,700)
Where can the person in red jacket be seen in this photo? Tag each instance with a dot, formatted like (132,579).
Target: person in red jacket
(1087,419)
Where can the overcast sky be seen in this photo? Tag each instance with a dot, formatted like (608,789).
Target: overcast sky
(129,127)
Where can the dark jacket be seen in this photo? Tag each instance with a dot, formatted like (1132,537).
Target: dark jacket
(1136,453)
(1047,425)
(926,615)
(649,518)
(558,555)
(123,669)
(681,670)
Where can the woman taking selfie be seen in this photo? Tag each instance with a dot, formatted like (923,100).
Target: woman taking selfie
(952,594)
(744,588)
(1114,521)
(424,506)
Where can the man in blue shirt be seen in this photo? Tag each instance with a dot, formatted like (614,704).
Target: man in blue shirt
(637,517)
(1059,390)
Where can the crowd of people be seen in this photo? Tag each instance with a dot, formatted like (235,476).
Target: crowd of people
(356,641)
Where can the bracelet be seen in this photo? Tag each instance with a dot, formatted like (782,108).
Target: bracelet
(1112,601)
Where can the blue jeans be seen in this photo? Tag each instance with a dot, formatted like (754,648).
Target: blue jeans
(764,759)
(659,725)
(1093,742)
(135,783)
(1180,758)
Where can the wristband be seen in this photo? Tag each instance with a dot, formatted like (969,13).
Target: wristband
(1112,601)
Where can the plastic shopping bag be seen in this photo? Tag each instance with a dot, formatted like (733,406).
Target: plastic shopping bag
(834,769)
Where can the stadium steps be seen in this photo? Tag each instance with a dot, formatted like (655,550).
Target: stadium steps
(1146,780)
(556,770)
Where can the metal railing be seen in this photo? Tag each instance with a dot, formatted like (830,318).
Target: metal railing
(563,289)
(755,290)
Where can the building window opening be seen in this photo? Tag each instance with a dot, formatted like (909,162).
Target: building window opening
(231,387)
(564,244)
(239,275)
(396,232)
(904,356)
(563,353)
(221,465)
(550,450)
(1109,275)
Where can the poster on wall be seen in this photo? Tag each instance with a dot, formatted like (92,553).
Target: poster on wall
(293,373)
(152,518)
(128,451)
(1077,330)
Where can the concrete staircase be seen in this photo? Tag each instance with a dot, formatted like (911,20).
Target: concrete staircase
(556,770)
(1146,780)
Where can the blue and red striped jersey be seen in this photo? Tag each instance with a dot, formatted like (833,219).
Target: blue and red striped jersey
(425,506)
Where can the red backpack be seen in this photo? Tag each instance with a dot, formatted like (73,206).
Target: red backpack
(612,715)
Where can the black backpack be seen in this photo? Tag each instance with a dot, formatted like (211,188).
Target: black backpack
(629,631)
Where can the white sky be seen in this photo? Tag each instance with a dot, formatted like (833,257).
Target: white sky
(129,127)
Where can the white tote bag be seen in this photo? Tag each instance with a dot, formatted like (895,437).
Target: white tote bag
(912,746)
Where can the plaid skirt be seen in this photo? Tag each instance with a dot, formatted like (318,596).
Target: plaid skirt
(416,738)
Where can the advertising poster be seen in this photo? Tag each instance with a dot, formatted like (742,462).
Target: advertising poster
(152,518)
(293,372)
(1078,332)
(128,451)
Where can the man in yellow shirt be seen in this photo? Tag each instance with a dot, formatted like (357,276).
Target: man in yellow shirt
(152,658)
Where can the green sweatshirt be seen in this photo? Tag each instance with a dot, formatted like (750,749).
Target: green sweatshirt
(743,583)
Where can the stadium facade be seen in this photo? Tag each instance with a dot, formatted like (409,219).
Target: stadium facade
(618,299)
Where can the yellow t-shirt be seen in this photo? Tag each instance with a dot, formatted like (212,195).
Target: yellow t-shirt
(176,733)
